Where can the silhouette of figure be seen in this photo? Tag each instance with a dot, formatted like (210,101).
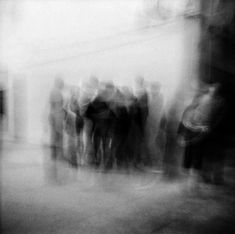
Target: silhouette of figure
(56,118)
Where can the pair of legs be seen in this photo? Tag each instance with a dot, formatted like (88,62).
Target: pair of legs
(57,145)
(207,158)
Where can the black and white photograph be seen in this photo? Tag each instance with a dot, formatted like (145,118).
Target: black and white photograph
(117,116)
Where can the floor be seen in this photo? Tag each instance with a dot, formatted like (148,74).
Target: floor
(41,196)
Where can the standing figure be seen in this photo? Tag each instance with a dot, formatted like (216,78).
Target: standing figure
(56,119)
(168,125)
(2,113)
(70,126)
(100,114)
(200,132)
(79,125)
(120,131)
(153,134)
(141,114)
(88,95)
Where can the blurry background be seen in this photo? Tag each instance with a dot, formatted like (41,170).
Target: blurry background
(114,40)
(184,50)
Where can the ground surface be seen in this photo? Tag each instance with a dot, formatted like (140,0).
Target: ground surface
(39,196)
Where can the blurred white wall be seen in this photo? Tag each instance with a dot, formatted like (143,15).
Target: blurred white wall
(80,38)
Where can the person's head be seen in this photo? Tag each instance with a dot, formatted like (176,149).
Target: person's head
(108,90)
(127,91)
(127,94)
(59,83)
(140,86)
(139,80)
(94,82)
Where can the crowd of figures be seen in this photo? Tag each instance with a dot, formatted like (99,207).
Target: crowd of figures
(113,119)
(115,127)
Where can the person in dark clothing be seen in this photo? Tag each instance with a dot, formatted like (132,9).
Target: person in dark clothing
(120,131)
(2,113)
(168,128)
(89,92)
(199,129)
(217,65)
(108,96)
(134,134)
(79,124)
(126,129)
(100,114)
(93,110)
(2,102)
(141,114)
(142,103)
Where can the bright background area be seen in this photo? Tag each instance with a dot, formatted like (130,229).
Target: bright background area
(115,40)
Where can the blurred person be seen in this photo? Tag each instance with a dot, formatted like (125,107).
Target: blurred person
(142,102)
(56,118)
(129,147)
(79,125)
(99,111)
(2,112)
(113,100)
(71,108)
(168,127)
(134,135)
(153,120)
(200,134)
(141,114)
(217,63)
(120,131)
(89,93)
(2,115)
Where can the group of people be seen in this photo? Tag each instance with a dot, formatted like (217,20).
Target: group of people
(104,126)
(118,120)
(114,127)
